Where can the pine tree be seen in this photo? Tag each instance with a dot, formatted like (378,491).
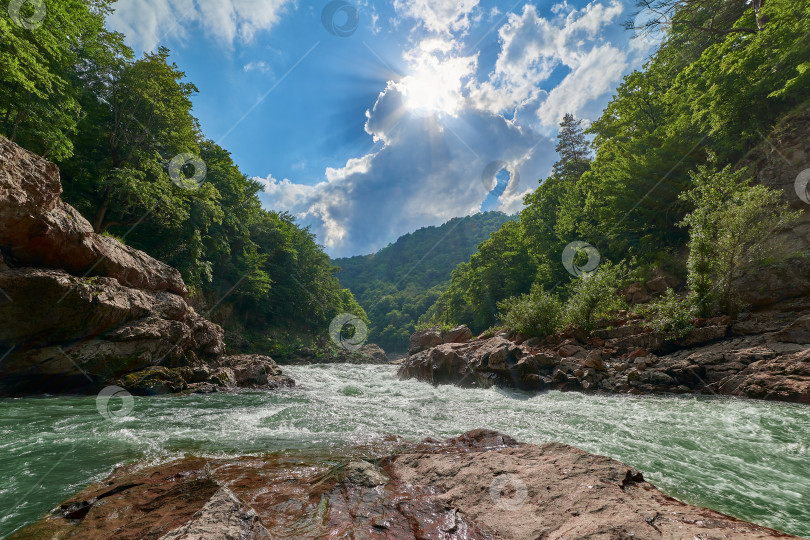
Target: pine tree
(572,149)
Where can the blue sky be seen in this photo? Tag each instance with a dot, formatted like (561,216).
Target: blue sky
(371,135)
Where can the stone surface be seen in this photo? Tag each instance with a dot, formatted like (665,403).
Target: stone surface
(459,334)
(480,485)
(224,517)
(770,360)
(74,334)
(368,354)
(80,311)
(39,230)
(424,339)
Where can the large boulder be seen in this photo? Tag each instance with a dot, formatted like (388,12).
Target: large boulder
(39,230)
(424,340)
(80,311)
(459,334)
(768,361)
(70,334)
(256,371)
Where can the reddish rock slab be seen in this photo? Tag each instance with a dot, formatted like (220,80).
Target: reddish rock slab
(481,485)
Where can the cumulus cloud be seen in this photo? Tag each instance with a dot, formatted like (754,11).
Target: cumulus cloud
(533,47)
(594,75)
(440,127)
(439,16)
(427,172)
(148,23)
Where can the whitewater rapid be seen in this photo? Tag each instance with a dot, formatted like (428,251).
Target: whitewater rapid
(746,458)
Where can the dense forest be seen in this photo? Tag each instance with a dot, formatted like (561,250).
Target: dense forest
(400,282)
(136,164)
(655,173)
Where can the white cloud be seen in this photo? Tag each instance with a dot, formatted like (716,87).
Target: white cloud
(428,171)
(439,16)
(149,23)
(439,127)
(533,47)
(594,76)
(261,66)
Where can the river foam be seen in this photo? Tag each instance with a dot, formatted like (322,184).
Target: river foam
(746,458)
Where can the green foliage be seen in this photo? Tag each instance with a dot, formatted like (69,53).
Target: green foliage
(671,314)
(44,69)
(727,231)
(536,314)
(724,75)
(400,283)
(73,92)
(594,296)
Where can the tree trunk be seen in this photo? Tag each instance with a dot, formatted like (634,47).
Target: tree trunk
(757,7)
(101,211)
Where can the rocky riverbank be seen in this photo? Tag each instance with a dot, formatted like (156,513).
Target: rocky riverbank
(764,355)
(479,485)
(80,311)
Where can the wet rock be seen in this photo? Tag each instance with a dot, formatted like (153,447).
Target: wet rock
(423,340)
(223,516)
(255,371)
(459,334)
(369,353)
(365,474)
(715,361)
(223,377)
(154,381)
(480,485)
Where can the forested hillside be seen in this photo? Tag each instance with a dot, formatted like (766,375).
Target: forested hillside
(135,162)
(661,172)
(397,284)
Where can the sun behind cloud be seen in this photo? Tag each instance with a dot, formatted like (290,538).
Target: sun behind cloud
(436,78)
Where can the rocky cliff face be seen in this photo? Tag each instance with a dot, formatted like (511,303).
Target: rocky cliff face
(79,310)
(481,485)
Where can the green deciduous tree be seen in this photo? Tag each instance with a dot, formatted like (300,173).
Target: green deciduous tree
(729,231)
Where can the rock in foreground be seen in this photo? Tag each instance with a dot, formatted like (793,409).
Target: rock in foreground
(476,486)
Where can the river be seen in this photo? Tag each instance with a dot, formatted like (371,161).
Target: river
(746,458)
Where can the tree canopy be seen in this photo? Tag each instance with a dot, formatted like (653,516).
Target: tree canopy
(128,146)
(724,74)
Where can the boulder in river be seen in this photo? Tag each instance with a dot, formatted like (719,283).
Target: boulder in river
(766,355)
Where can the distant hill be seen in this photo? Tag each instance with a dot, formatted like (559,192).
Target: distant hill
(401,281)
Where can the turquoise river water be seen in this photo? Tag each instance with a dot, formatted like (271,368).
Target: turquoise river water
(745,458)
